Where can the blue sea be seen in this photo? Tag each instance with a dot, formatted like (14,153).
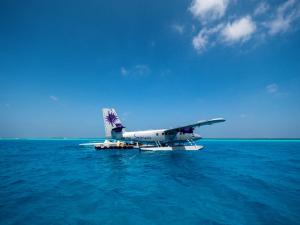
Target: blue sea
(228,182)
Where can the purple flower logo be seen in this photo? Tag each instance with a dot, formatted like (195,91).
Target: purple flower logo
(111,118)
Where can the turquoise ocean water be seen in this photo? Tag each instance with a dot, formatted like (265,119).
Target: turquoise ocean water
(54,181)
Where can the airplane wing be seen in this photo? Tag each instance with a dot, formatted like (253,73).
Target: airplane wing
(191,127)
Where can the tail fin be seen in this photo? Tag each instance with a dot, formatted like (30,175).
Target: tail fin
(112,123)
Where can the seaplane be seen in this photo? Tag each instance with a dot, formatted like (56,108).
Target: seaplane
(179,138)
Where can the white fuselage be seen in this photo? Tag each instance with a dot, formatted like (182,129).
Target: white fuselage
(158,136)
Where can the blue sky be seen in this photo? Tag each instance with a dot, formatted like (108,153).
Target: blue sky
(159,63)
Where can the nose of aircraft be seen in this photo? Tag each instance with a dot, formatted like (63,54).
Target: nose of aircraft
(197,137)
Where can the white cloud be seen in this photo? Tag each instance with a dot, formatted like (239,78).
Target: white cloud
(207,10)
(272,88)
(54,98)
(285,6)
(136,71)
(262,8)
(286,14)
(278,25)
(141,70)
(178,28)
(264,21)
(239,30)
(199,42)
(204,38)
(124,72)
